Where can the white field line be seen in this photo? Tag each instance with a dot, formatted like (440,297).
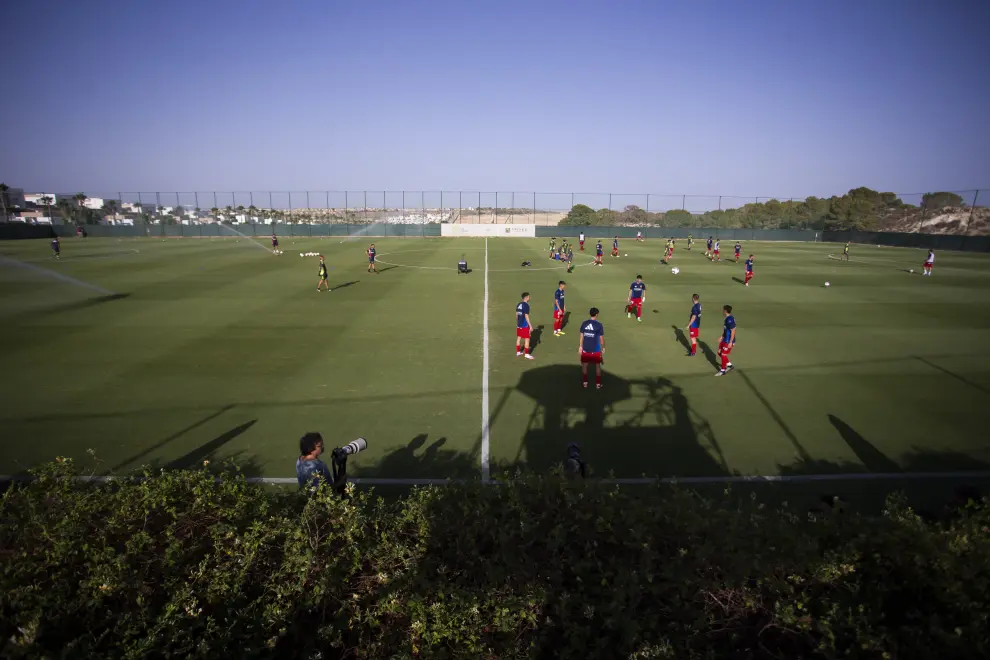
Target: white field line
(485,431)
(641,481)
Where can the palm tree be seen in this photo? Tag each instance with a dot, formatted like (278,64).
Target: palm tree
(46,201)
(179,211)
(228,212)
(66,209)
(110,208)
(80,199)
(3,199)
(214,211)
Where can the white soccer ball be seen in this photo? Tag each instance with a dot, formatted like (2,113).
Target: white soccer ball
(625,255)
(911,271)
(300,254)
(827,284)
(675,270)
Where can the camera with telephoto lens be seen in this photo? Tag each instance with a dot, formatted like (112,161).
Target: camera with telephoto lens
(339,463)
(574,467)
(462,266)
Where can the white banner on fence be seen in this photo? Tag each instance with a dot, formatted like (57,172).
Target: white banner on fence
(515,231)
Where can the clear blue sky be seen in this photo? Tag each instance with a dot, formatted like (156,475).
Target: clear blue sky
(736,98)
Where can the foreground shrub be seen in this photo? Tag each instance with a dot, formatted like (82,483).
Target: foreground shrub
(181,564)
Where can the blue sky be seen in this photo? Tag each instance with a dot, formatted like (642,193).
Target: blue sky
(735,98)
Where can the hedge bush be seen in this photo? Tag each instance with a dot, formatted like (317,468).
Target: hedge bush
(184,565)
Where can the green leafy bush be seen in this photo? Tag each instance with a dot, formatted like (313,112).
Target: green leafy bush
(184,565)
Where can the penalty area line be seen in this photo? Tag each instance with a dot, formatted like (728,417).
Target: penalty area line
(485,420)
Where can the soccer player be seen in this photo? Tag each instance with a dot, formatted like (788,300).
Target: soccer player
(275,249)
(929,262)
(323,275)
(553,246)
(56,249)
(716,256)
(637,296)
(599,253)
(737,249)
(615,246)
(708,252)
(690,241)
(559,309)
(728,340)
(372,253)
(694,324)
(845,251)
(639,237)
(523,328)
(570,259)
(749,268)
(591,347)
(581,241)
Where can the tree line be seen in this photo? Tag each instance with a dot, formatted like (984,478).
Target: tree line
(860,208)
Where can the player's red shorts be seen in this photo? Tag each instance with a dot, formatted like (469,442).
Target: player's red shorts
(522,333)
(591,358)
(928,264)
(615,252)
(558,314)
(693,332)
(671,250)
(582,243)
(723,348)
(635,303)
(716,253)
(749,275)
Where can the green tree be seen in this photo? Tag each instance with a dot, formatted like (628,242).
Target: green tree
(214,211)
(67,209)
(110,207)
(46,201)
(3,199)
(579,215)
(678,218)
(938,200)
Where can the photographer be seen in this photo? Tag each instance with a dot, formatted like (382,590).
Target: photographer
(310,470)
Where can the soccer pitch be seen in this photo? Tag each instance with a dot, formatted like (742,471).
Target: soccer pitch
(215,348)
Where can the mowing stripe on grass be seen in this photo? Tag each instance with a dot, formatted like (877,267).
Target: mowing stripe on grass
(485,431)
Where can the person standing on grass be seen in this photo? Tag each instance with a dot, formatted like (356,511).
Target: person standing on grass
(845,251)
(694,324)
(570,259)
(372,252)
(524,328)
(716,253)
(56,249)
(581,240)
(637,296)
(558,309)
(929,262)
(708,252)
(310,470)
(615,246)
(323,275)
(553,246)
(599,253)
(738,249)
(591,348)
(749,268)
(275,249)
(690,241)
(728,341)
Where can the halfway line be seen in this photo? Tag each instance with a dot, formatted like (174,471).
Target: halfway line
(485,432)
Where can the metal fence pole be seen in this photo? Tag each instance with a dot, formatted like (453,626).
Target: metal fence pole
(972,209)
(683,200)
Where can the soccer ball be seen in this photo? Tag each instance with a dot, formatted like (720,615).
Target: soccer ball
(911,271)
(301,254)
(675,270)
(625,255)
(827,284)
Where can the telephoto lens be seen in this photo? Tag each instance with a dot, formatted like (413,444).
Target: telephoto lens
(356,446)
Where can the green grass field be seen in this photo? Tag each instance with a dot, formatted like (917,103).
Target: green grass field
(215,348)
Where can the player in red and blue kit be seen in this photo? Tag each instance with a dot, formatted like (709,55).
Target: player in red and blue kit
(559,309)
(749,269)
(372,252)
(728,341)
(716,253)
(275,249)
(694,324)
(637,296)
(599,253)
(708,252)
(591,347)
(56,248)
(738,248)
(523,328)
(615,246)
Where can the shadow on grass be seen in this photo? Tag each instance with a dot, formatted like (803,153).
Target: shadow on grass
(178,434)
(346,284)
(709,354)
(738,279)
(681,338)
(69,307)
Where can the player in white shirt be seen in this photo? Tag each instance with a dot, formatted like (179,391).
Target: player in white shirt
(929,262)
(581,241)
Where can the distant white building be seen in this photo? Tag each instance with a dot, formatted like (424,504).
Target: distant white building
(94,203)
(37,198)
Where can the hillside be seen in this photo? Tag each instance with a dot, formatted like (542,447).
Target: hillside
(947,220)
